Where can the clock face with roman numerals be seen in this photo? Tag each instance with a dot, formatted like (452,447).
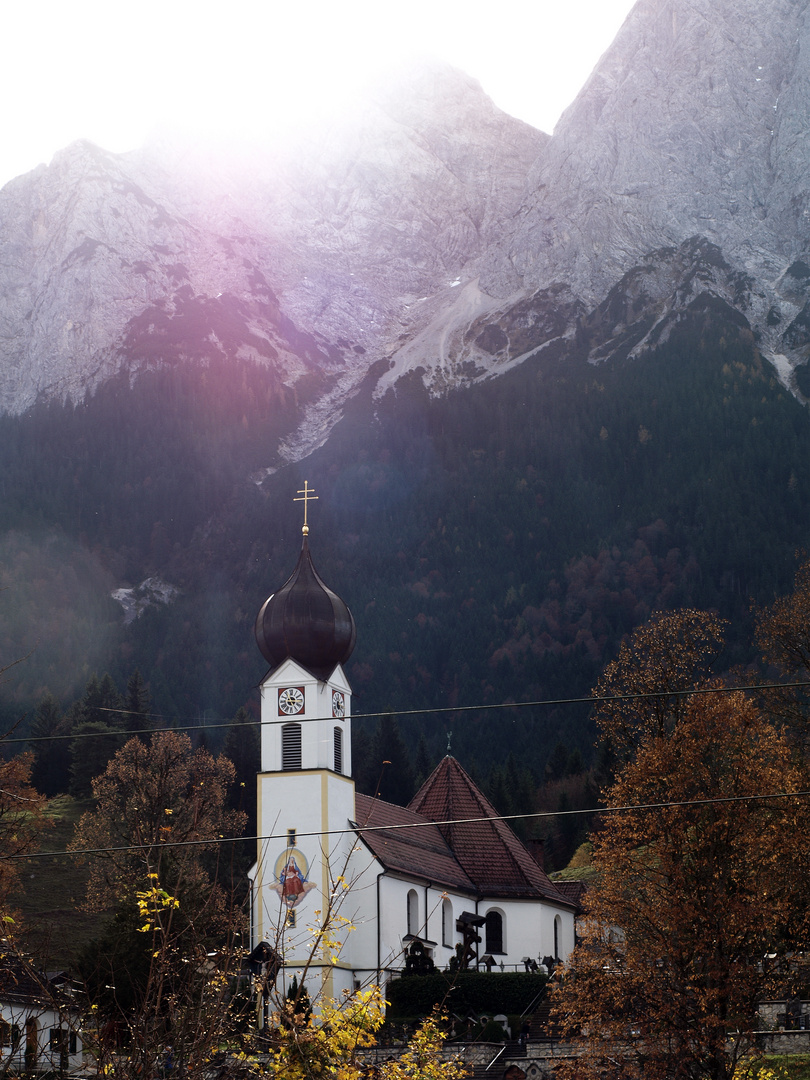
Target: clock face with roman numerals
(291,700)
(338,704)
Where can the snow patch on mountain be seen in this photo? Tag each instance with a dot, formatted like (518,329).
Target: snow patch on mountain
(152,592)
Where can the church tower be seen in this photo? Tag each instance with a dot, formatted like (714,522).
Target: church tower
(305,792)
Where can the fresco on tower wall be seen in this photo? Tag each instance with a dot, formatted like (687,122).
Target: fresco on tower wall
(290,877)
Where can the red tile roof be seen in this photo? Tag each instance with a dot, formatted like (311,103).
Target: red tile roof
(573,891)
(482,857)
(487,849)
(417,852)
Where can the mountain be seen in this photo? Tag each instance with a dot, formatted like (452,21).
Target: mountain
(690,126)
(124,261)
(403,229)
(542,385)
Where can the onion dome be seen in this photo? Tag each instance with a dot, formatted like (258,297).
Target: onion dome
(306,622)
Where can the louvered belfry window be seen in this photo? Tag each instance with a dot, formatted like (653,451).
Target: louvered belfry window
(338,750)
(291,746)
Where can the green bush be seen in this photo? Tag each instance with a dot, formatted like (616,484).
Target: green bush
(492,1032)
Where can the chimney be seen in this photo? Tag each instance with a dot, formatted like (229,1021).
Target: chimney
(535,849)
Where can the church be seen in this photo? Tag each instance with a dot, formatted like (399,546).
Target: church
(384,881)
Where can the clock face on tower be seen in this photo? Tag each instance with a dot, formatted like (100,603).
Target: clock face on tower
(338,704)
(291,700)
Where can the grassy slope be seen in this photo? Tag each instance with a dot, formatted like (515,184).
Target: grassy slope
(789,1066)
(56,928)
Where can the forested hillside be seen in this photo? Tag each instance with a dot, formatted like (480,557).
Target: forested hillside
(494,544)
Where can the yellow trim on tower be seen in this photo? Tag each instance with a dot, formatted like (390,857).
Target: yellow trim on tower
(259,884)
(324,836)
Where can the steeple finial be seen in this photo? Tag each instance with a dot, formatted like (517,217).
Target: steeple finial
(449,737)
(306,493)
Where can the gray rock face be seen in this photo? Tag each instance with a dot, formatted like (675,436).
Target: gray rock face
(99,272)
(693,124)
(431,230)
(305,261)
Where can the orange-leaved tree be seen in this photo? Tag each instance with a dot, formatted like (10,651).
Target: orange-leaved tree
(698,897)
(21,821)
(649,681)
(160,808)
(783,634)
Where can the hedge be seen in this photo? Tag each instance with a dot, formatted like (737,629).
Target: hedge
(464,992)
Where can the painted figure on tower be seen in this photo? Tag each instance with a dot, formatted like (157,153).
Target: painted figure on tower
(291,878)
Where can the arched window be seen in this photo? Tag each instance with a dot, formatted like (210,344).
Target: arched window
(413,913)
(447,923)
(291,746)
(494,932)
(557,936)
(338,750)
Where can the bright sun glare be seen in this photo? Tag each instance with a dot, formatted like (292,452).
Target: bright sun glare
(112,73)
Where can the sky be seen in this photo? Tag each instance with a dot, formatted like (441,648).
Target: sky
(114,71)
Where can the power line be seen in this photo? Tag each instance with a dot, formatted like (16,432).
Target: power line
(590,699)
(359,830)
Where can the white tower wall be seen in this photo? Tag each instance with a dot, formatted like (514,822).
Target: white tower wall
(305,804)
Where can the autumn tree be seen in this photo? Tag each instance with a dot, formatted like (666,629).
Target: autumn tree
(160,808)
(783,635)
(163,973)
(649,681)
(303,1047)
(21,818)
(697,901)
(21,822)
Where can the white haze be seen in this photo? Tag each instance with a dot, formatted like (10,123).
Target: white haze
(112,72)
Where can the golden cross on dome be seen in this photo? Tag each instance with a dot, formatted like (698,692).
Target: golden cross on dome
(306,493)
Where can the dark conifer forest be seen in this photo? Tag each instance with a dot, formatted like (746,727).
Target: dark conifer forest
(494,544)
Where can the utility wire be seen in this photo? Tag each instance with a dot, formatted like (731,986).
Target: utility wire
(591,699)
(360,830)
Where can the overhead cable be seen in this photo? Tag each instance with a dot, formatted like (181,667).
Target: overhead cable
(590,699)
(360,830)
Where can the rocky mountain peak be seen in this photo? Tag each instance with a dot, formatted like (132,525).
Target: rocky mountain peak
(426,228)
(322,246)
(687,126)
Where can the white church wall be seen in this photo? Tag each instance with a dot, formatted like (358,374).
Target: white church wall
(528,925)
(429,903)
(359,907)
(528,930)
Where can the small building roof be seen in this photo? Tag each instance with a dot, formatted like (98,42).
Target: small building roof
(573,890)
(23,984)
